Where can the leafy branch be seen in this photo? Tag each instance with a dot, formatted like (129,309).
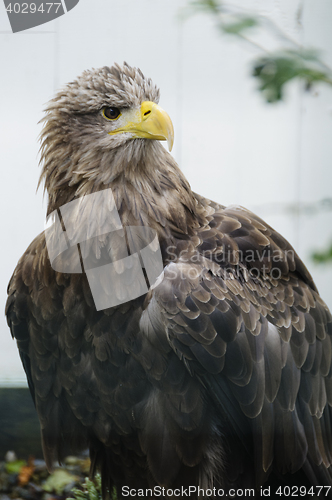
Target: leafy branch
(272,69)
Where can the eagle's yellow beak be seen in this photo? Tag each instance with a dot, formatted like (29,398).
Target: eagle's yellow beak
(149,122)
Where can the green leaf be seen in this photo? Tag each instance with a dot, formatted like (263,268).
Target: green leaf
(323,257)
(237,27)
(58,481)
(15,467)
(211,6)
(275,70)
(91,490)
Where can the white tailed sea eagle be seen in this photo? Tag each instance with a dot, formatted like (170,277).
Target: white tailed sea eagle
(219,374)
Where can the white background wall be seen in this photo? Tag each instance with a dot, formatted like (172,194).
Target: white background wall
(232,146)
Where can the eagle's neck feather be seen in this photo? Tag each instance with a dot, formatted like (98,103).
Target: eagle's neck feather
(148,187)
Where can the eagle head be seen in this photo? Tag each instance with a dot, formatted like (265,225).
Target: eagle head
(96,123)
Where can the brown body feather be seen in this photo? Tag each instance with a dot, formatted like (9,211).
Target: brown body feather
(220,376)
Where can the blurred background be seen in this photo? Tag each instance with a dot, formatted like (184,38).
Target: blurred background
(234,146)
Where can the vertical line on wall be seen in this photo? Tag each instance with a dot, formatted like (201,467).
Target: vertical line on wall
(56,56)
(179,92)
(298,183)
(56,77)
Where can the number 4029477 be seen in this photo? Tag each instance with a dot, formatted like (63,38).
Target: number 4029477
(31,8)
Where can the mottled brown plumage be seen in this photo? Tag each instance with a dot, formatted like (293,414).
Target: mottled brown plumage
(219,376)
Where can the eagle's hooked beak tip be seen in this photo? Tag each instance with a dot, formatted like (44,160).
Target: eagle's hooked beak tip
(156,123)
(170,141)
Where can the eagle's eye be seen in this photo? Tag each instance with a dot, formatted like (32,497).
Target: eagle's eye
(111,113)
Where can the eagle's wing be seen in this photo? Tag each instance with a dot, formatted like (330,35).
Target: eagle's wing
(83,380)
(18,304)
(258,340)
(35,315)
